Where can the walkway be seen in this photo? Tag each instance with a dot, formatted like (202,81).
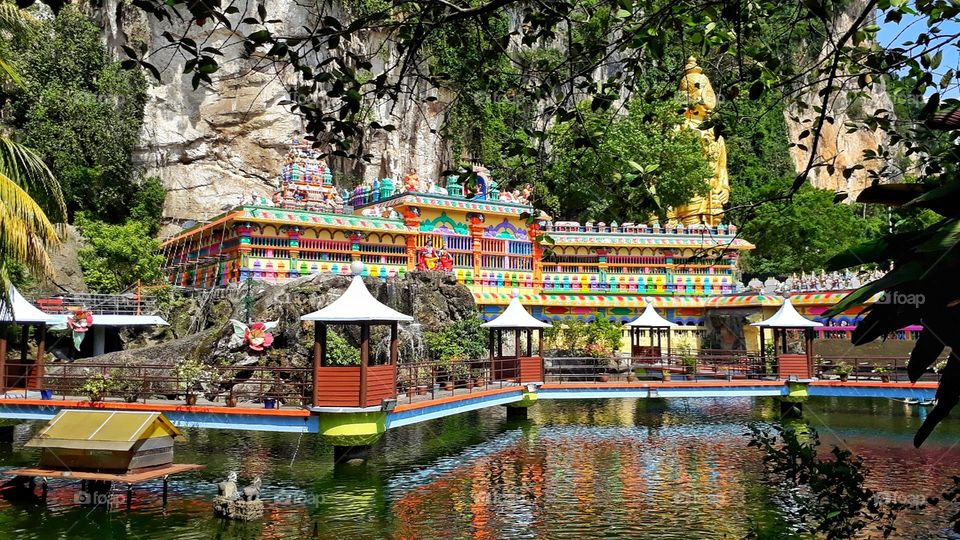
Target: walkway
(432,406)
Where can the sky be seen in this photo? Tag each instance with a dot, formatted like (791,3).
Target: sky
(894,34)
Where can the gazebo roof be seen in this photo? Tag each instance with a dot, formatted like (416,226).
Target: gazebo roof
(787,317)
(23,312)
(356,304)
(650,319)
(515,316)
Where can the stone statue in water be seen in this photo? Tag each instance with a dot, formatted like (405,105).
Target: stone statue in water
(708,209)
(241,505)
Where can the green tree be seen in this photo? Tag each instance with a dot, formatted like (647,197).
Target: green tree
(116,257)
(802,233)
(642,161)
(82,112)
(462,340)
(147,207)
(30,196)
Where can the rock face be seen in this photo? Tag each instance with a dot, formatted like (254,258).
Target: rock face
(433,299)
(839,147)
(212,145)
(66,265)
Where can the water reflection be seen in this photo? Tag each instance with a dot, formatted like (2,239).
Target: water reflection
(670,469)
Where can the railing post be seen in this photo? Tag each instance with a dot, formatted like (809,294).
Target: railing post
(364,361)
(319,341)
(41,352)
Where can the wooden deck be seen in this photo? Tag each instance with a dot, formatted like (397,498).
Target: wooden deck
(134,477)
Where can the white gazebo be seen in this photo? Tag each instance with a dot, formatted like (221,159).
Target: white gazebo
(782,322)
(653,322)
(20,312)
(526,367)
(364,385)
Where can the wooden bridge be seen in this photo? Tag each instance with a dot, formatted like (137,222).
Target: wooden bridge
(283,399)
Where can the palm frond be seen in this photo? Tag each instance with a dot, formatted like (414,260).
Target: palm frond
(13,19)
(26,170)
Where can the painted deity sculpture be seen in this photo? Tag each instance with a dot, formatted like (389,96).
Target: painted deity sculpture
(429,258)
(411,181)
(701,99)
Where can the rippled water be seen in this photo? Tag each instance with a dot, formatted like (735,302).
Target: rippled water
(617,468)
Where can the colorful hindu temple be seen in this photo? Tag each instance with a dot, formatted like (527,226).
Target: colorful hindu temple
(496,243)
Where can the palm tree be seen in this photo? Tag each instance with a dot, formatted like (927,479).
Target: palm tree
(29,194)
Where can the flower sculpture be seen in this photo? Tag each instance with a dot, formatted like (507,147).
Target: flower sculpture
(79,322)
(257,335)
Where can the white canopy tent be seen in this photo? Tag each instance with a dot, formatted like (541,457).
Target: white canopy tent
(651,319)
(23,312)
(785,319)
(653,322)
(518,366)
(335,385)
(356,305)
(515,316)
(19,311)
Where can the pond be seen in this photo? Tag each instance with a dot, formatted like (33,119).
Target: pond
(573,469)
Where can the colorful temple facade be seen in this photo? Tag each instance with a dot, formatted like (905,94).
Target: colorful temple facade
(561,270)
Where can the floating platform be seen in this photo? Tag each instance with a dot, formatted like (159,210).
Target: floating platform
(132,477)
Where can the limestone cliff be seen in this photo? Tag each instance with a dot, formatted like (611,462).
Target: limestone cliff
(211,145)
(839,146)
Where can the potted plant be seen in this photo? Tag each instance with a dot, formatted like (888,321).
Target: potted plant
(190,374)
(690,363)
(231,399)
(665,373)
(884,372)
(96,387)
(478,377)
(843,370)
(130,388)
(424,380)
(405,382)
(461,374)
(631,376)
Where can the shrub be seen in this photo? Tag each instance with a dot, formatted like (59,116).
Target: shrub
(462,340)
(117,256)
(341,353)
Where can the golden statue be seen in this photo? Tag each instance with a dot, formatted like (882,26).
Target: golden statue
(701,100)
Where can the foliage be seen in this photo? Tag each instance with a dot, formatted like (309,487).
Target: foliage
(802,233)
(147,207)
(81,112)
(921,287)
(340,352)
(30,196)
(599,338)
(829,494)
(843,368)
(116,257)
(190,373)
(462,340)
(640,162)
(97,386)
